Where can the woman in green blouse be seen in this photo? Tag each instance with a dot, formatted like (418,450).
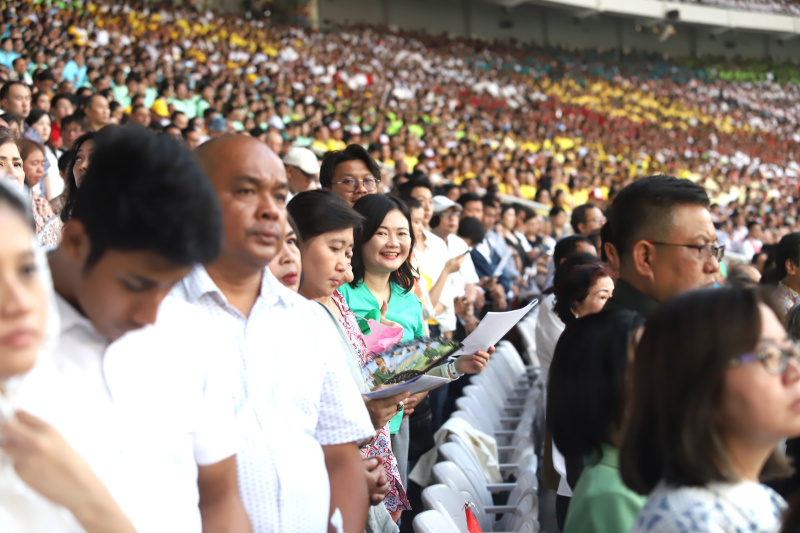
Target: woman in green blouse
(585,413)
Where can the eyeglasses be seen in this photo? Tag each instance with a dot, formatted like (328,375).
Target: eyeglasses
(774,358)
(351,184)
(706,251)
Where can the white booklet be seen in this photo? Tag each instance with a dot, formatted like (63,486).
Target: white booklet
(491,329)
(415,385)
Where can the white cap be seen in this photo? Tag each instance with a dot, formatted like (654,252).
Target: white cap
(443,203)
(355,129)
(334,125)
(276,122)
(302,158)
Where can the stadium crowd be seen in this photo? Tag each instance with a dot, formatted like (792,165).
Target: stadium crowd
(198,183)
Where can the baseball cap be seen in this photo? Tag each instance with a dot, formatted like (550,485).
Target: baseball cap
(276,122)
(302,158)
(443,203)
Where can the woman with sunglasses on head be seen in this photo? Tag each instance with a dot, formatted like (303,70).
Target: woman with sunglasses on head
(716,388)
(45,486)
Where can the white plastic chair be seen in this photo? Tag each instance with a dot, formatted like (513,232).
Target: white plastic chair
(434,522)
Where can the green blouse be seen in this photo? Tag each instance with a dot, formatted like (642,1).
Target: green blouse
(601,503)
(404,308)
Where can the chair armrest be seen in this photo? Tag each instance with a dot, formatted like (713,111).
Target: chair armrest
(500,487)
(508,466)
(500,509)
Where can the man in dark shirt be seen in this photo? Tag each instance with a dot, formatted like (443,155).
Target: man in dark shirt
(661,235)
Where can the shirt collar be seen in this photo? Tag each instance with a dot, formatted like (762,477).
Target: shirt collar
(628,297)
(71,319)
(199,283)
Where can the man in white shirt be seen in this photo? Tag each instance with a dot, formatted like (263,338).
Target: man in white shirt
(465,280)
(137,388)
(300,413)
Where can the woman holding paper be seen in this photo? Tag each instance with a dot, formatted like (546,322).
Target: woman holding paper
(382,281)
(383,276)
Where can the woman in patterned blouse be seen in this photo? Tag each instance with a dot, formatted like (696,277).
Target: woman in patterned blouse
(716,387)
(33,156)
(325,226)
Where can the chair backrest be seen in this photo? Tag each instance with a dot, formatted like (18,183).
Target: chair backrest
(447,501)
(434,522)
(455,452)
(449,473)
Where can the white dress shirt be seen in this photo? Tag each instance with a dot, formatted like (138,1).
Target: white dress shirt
(144,411)
(295,394)
(548,330)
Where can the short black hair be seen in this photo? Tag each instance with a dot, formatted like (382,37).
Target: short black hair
(333,159)
(556,211)
(471,228)
(317,212)
(6,88)
(586,386)
(58,97)
(787,249)
(374,208)
(73,119)
(579,215)
(405,189)
(468,197)
(566,246)
(144,192)
(645,206)
(11,117)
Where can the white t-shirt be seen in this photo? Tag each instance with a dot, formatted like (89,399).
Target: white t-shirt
(143,411)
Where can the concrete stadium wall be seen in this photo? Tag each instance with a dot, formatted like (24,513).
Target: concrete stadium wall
(542,25)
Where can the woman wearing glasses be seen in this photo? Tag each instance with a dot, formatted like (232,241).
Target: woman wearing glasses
(716,387)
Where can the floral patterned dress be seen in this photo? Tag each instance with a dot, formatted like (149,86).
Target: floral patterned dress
(396,499)
(42,212)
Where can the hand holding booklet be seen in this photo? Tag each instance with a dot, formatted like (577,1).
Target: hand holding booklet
(415,385)
(406,362)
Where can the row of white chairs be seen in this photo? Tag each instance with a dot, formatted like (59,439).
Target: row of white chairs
(505,402)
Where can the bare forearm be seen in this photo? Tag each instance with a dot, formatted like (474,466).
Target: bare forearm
(226,516)
(103,515)
(348,487)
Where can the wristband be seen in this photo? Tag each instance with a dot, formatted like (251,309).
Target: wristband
(451,369)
